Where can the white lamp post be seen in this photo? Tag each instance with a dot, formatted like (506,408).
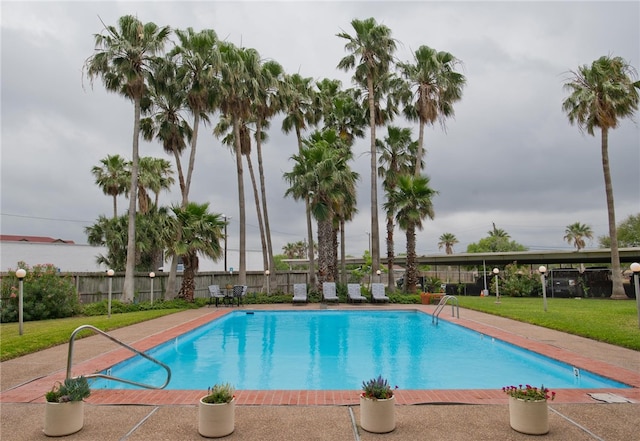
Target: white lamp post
(543,279)
(266,274)
(20,274)
(151,276)
(496,271)
(635,267)
(378,273)
(110,274)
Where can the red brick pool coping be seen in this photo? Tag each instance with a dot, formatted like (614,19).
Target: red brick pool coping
(32,392)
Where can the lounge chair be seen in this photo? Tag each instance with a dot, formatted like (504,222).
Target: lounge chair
(239,291)
(377,293)
(215,293)
(329,292)
(300,293)
(353,292)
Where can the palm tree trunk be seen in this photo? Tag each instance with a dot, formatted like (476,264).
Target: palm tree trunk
(390,253)
(307,208)
(263,241)
(115,206)
(411,275)
(419,153)
(170,290)
(375,234)
(617,292)
(343,253)
(325,240)
(267,228)
(242,271)
(128,287)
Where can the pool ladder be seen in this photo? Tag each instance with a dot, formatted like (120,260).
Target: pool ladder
(442,304)
(110,377)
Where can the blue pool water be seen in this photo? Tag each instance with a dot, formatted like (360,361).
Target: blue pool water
(337,350)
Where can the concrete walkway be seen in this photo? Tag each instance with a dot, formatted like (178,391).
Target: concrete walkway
(568,421)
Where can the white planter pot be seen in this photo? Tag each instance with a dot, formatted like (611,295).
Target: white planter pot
(63,418)
(216,420)
(530,417)
(378,416)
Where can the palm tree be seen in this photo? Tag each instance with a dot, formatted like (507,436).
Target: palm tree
(600,96)
(575,233)
(198,62)
(437,86)
(301,112)
(113,178)
(321,170)
(200,233)
(266,104)
(237,90)
(372,49)
(447,241)
(397,157)
(155,174)
(411,200)
(122,59)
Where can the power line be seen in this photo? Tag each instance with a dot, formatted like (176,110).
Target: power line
(45,218)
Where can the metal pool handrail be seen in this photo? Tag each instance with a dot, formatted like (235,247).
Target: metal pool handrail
(442,304)
(110,377)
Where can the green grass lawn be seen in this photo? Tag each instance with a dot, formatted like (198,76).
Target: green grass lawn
(610,321)
(43,334)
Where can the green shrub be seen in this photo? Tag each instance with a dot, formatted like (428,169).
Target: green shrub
(46,294)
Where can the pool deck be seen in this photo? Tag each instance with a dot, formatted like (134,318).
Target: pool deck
(321,415)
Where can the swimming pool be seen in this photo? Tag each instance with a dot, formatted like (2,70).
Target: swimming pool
(336,350)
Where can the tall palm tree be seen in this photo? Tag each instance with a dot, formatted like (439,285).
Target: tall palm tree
(112,176)
(397,157)
(600,96)
(167,123)
(411,201)
(198,62)
(321,170)
(436,87)
(299,104)
(122,59)
(575,233)
(371,51)
(447,241)
(200,234)
(237,90)
(267,102)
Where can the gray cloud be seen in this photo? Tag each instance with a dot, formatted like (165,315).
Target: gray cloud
(509,156)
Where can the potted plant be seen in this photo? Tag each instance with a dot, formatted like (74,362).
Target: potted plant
(377,406)
(216,411)
(64,410)
(528,410)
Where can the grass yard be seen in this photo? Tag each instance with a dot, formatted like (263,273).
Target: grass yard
(38,335)
(610,321)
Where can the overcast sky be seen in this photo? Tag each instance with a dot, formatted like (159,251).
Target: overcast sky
(509,156)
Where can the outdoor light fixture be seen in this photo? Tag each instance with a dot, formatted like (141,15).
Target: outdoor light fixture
(378,273)
(20,274)
(543,271)
(226,221)
(151,276)
(266,274)
(110,273)
(496,271)
(635,267)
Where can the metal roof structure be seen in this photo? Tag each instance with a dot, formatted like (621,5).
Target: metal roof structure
(599,255)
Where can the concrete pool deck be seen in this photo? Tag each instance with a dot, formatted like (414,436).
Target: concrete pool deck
(320,415)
